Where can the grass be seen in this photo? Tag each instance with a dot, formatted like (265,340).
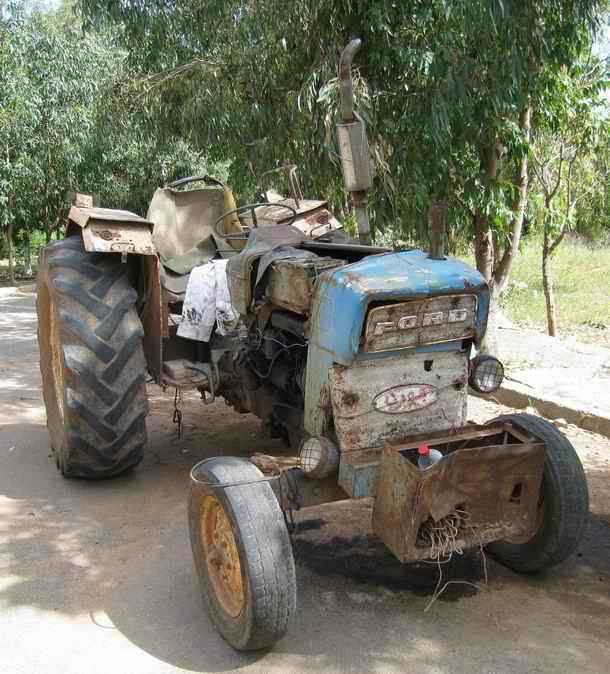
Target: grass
(582,290)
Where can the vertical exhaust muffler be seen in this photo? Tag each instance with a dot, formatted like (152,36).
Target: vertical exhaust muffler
(354,145)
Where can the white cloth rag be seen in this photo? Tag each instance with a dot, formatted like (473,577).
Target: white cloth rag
(207,301)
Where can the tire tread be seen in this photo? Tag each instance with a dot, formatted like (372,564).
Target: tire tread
(105,402)
(266,550)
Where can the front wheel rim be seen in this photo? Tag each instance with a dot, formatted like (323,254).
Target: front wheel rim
(221,557)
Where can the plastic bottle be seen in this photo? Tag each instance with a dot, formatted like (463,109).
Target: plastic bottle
(427,456)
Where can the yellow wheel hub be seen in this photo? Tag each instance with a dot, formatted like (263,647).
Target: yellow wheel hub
(222,556)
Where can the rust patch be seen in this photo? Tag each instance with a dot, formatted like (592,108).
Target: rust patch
(481,471)
(325,405)
(350,398)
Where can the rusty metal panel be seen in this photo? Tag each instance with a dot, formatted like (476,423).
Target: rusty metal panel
(317,223)
(153,317)
(291,282)
(497,485)
(313,217)
(239,268)
(358,472)
(103,237)
(440,319)
(394,397)
(83,216)
(292,483)
(107,230)
(276,214)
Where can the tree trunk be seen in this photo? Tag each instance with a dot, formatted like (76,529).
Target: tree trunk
(490,344)
(547,284)
(519,204)
(496,269)
(27,253)
(484,249)
(11,254)
(483,236)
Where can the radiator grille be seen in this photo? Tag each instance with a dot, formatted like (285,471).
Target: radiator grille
(408,324)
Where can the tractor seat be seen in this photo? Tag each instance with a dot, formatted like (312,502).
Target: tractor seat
(183,220)
(173,283)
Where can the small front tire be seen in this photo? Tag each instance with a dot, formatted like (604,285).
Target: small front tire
(564,503)
(242,552)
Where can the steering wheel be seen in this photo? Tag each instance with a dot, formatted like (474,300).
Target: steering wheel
(251,208)
(208,180)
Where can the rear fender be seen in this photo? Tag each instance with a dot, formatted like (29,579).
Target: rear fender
(153,316)
(106,230)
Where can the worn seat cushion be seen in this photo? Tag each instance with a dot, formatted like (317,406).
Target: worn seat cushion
(183,220)
(174,283)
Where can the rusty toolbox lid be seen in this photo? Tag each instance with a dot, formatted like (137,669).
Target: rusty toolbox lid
(87,216)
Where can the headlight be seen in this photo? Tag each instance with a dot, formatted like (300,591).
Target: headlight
(486,374)
(318,457)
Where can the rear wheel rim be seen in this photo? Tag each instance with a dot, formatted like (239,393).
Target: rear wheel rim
(221,556)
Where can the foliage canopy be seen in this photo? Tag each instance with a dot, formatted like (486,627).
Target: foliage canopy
(440,83)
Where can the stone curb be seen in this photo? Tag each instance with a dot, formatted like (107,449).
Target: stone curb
(552,410)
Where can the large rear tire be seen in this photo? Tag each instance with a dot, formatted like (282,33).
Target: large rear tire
(242,552)
(91,360)
(563,506)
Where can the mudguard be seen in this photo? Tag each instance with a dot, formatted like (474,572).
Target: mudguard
(106,230)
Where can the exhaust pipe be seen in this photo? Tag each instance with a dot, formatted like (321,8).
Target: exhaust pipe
(345,80)
(354,145)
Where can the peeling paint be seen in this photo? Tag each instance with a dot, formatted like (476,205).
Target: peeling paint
(342,298)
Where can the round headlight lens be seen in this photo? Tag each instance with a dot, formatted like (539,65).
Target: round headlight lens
(318,457)
(486,374)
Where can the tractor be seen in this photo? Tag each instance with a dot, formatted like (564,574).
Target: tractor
(358,356)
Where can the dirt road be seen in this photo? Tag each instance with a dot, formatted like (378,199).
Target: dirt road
(98,577)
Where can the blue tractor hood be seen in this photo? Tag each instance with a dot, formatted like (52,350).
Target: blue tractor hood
(343,295)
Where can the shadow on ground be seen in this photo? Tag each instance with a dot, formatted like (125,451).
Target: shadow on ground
(118,553)
(108,566)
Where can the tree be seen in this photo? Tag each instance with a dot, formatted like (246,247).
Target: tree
(17,121)
(570,162)
(449,89)
(67,125)
(49,83)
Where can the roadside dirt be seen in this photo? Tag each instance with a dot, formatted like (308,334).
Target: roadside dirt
(98,577)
